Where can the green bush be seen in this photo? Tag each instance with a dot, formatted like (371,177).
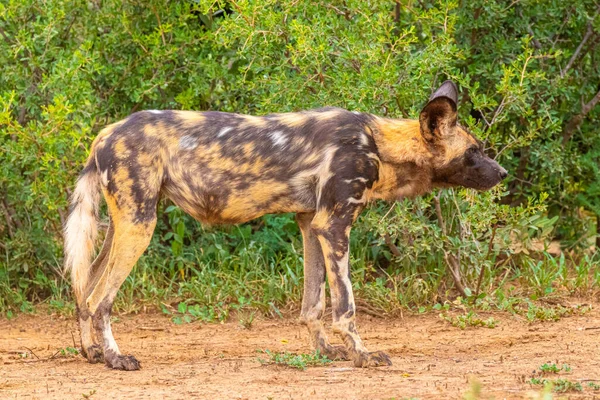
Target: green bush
(528,72)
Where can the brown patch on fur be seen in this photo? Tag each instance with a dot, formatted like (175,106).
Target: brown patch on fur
(254,200)
(292,120)
(190,118)
(252,121)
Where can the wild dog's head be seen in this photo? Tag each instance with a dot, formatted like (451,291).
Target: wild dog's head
(458,157)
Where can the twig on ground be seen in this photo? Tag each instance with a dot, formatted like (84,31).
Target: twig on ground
(73,337)
(369,311)
(31,351)
(150,328)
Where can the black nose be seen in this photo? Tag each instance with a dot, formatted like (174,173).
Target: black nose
(503,174)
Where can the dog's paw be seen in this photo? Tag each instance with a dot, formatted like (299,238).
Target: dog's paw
(125,363)
(373,359)
(334,353)
(94,354)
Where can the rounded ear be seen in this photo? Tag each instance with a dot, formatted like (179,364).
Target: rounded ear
(447,89)
(440,112)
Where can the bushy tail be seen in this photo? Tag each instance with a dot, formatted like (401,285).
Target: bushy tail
(82,227)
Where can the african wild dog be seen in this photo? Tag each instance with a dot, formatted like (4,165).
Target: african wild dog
(325,165)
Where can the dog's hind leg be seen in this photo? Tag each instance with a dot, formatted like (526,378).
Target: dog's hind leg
(313,300)
(133,228)
(90,349)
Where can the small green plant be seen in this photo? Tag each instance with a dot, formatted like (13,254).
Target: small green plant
(186,314)
(564,385)
(540,313)
(61,306)
(474,392)
(299,361)
(558,385)
(469,319)
(68,352)
(543,274)
(88,395)
(246,319)
(552,368)
(594,386)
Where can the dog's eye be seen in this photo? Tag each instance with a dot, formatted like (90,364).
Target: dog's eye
(472,150)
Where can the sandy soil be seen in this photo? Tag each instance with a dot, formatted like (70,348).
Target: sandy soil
(432,360)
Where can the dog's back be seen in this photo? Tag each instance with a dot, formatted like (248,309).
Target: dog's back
(227,168)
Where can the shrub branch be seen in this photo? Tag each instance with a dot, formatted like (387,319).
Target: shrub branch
(576,121)
(588,33)
(451,262)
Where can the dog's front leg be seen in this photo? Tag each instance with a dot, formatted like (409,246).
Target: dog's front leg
(333,233)
(313,301)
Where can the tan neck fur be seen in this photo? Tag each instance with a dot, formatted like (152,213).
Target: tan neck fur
(400,141)
(403,153)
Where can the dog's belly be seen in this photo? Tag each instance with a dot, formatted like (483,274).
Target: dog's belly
(216,198)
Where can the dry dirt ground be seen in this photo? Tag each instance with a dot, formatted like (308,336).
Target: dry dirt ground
(432,359)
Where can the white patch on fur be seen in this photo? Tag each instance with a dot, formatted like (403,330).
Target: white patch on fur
(362,200)
(81,230)
(304,180)
(224,131)
(356,112)
(325,171)
(360,179)
(109,340)
(364,140)
(188,142)
(157,112)
(104,178)
(278,138)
